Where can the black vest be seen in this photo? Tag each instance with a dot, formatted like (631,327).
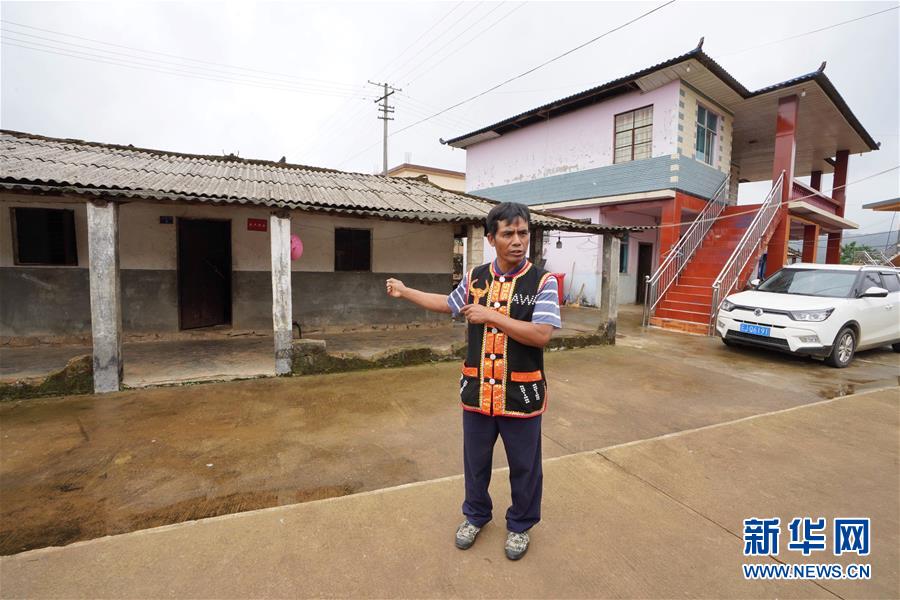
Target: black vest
(502,377)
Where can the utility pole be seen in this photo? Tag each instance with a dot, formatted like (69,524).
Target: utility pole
(385,111)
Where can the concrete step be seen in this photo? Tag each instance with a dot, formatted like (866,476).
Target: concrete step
(681,326)
(672,304)
(683,315)
(696,281)
(708,275)
(679,302)
(686,297)
(704,291)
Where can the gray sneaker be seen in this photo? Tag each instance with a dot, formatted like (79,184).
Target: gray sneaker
(465,535)
(516,545)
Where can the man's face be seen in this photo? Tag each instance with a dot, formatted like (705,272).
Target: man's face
(511,240)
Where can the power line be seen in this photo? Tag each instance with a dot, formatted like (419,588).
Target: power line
(67,46)
(177,67)
(890,230)
(422,64)
(96,41)
(470,40)
(592,83)
(168,71)
(744,212)
(395,73)
(799,35)
(418,39)
(360,112)
(797,199)
(529,71)
(427,109)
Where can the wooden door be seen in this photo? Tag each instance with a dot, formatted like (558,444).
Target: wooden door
(645,268)
(204,273)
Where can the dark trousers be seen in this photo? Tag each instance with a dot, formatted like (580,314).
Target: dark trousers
(522,440)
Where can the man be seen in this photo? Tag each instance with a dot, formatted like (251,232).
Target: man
(511,307)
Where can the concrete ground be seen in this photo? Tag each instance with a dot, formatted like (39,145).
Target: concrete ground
(111,464)
(223,355)
(656,518)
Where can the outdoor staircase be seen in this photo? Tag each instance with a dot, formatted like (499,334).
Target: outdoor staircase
(716,256)
(687,304)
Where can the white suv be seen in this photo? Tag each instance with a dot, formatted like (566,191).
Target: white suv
(820,310)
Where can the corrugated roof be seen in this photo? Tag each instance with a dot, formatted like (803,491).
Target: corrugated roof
(627,83)
(36,163)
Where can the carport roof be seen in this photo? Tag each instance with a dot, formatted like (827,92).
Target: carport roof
(41,164)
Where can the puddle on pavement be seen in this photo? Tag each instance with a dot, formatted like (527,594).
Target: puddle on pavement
(844,389)
(854,386)
(91,520)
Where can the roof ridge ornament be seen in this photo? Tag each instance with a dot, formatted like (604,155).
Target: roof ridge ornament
(821,68)
(700,44)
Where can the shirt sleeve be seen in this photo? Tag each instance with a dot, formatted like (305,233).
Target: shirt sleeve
(457,299)
(546,308)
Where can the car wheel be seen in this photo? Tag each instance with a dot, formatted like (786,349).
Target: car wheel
(727,342)
(843,349)
(896,347)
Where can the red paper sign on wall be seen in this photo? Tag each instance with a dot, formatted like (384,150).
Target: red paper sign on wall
(257,225)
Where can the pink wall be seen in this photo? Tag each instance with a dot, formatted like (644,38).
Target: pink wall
(582,139)
(579,258)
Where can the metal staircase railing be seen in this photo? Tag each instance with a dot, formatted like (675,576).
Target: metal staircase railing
(873,256)
(656,285)
(748,247)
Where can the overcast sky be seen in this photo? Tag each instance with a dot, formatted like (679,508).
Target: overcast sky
(266,80)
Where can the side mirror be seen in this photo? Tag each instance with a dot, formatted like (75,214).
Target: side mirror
(754,283)
(874,292)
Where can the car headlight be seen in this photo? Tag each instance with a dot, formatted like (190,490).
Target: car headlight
(811,315)
(728,306)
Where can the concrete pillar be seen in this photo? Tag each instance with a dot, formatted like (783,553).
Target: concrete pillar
(536,246)
(609,285)
(734,181)
(810,242)
(815,180)
(280,237)
(783,160)
(474,246)
(777,249)
(839,194)
(669,231)
(106,295)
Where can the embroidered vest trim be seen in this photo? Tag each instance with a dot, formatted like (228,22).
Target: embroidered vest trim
(502,377)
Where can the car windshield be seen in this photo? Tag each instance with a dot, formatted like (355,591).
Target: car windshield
(810,282)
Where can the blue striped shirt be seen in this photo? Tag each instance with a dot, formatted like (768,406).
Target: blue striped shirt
(546,307)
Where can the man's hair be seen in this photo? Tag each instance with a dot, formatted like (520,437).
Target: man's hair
(505,211)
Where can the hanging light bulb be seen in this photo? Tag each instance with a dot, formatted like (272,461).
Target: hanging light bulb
(559,241)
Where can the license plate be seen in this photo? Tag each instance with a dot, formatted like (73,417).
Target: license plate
(756,329)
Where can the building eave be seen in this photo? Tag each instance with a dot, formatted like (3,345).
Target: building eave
(628,84)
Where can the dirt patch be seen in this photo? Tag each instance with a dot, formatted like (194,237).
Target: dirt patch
(202,508)
(77,377)
(87,522)
(311,357)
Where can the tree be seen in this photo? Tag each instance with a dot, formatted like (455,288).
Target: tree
(848,252)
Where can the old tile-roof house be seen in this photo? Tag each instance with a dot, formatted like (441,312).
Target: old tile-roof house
(449,180)
(95,238)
